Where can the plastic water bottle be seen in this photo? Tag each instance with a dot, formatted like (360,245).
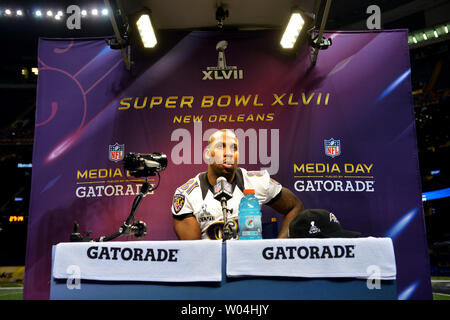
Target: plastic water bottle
(250,226)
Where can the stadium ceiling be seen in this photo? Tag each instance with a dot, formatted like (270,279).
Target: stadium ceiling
(200,14)
(21,34)
(343,15)
(197,14)
(255,14)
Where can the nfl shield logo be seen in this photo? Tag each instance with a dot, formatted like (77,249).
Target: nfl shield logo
(116,152)
(332,147)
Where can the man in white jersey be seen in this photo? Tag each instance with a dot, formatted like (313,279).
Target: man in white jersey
(197,215)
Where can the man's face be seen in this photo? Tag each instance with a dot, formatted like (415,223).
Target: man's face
(224,153)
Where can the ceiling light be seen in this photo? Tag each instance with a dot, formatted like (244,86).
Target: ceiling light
(8,12)
(49,13)
(435,34)
(38,13)
(19,13)
(425,36)
(414,39)
(83,13)
(446,29)
(94,12)
(105,12)
(292,31)
(146,31)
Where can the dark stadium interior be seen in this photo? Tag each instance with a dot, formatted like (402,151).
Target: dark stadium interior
(430,84)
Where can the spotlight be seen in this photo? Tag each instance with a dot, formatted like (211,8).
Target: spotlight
(414,39)
(38,13)
(446,29)
(25,72)
(146,31)
(94,12)
(49,13)
(19,13)
(60,13)
(425,36)
(292,31)
(8,12)
(35,71)
(104,12)
(83,13)
(57,17)
(435,34)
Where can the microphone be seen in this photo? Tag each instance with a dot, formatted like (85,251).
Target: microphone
(223,192)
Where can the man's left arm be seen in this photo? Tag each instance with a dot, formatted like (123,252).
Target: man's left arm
(289,205)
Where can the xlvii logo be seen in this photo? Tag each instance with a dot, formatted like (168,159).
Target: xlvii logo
(222,71)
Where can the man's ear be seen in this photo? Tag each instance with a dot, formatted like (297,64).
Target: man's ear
(207,155)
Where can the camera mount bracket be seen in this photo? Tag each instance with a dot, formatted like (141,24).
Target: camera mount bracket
(129,227)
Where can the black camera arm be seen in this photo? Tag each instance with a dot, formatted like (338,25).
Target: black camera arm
(138,229)
(139,165)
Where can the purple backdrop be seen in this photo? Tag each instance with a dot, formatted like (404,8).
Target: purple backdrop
(357,97)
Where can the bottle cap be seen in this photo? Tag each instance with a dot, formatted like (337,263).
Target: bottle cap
(249,191)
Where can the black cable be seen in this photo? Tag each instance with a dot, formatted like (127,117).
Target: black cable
(159,179)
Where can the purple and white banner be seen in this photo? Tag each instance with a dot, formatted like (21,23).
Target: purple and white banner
(340,135)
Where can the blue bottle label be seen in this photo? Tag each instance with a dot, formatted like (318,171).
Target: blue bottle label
(251,226)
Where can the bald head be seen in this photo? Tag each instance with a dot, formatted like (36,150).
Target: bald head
(222,133)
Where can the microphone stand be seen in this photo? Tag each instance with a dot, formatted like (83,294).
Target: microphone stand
(222,193)
(226,232)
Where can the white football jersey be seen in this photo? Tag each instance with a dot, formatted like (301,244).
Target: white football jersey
(196,198)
